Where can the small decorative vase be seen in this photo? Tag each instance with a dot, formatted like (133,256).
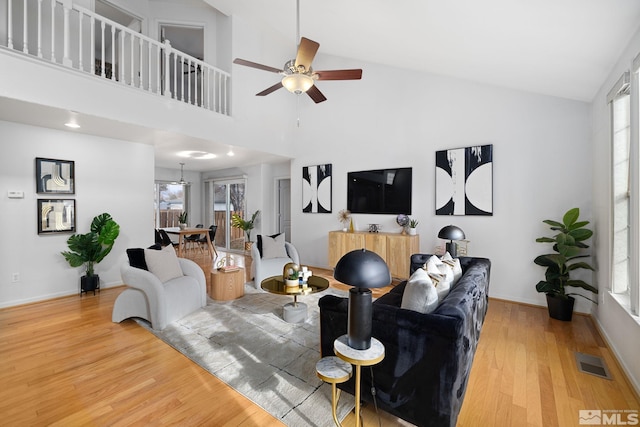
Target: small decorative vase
(412,231)
(351,227)
(247,245)
(182,225)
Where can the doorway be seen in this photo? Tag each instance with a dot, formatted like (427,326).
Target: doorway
(184,76)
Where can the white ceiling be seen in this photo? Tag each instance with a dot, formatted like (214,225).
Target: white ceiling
(563,48)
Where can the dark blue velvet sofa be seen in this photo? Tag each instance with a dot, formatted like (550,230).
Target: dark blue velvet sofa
(428,357)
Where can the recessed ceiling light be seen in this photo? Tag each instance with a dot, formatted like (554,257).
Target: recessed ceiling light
(72,125)
(198,155)
(231,153)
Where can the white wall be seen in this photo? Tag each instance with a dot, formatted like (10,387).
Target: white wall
(111,176)
(619,327)
(394,118)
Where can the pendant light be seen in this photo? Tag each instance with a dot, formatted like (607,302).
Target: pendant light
(182,181)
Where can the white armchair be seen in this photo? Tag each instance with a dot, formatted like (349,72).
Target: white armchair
(160,303)
(263,268)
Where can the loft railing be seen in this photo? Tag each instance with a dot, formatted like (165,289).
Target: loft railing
(70,35)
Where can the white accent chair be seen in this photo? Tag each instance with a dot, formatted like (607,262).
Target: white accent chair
(263,268)
(160,303)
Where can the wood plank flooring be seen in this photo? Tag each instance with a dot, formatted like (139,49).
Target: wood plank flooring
(63,362)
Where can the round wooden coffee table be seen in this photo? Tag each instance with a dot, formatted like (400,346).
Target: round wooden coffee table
(294,312)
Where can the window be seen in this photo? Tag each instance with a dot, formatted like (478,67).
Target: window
(171,199)
(619,101)
(624,104)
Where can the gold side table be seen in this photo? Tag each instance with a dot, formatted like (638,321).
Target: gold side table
(358,358)
(333,370)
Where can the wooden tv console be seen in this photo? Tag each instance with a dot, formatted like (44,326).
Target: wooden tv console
(394,248)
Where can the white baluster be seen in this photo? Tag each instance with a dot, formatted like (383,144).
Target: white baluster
(113,52)
(39,28)
(175,76)
(53,30)
(123,36)
(92,50)
(158,74)
(9,25)
(131,82)
(182,78)
(167,68)
(25,45)
(66,40)
(102,25)
(140,73)
(80,53)
(149,76)
(189,81)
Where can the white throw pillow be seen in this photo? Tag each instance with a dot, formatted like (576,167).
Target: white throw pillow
(419,293)
(455,266)
(163,263)
(273,247)
(442,277)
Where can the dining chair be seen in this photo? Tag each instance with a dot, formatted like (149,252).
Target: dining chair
(212,235)
(191,241)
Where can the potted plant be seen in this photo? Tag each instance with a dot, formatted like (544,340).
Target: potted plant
(569,246)
(91,248)
(237,221)
(182,220)
(413,224)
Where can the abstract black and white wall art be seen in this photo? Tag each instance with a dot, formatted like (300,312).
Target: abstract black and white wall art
(464,181)
(316,189)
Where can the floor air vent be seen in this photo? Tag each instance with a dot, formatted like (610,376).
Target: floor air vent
(593,365)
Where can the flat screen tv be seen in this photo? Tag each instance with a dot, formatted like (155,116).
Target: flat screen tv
(381,191)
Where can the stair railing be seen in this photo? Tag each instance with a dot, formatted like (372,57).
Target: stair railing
(70,35)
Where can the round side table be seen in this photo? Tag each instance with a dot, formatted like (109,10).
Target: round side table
(358,358)
(333,370)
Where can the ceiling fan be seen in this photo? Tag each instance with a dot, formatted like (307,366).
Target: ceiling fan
(298,76)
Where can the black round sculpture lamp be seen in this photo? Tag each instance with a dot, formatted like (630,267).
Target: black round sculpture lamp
(363,270)
(451,233)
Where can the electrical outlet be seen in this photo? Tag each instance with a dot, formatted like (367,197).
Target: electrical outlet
(15,277)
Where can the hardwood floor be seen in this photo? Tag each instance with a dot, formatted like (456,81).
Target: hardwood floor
(65,363)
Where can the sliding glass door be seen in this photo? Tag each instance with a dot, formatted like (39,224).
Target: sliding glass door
(224,198)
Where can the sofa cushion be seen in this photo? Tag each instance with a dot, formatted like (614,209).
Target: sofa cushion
(455,266)
(163,264)
(136,258)
(259,242)
(419,294)
(273,247)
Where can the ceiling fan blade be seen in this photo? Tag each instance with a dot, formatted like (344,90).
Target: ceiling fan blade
(339,74)
(256,65)
(306,52)
(315,94)
(273,88)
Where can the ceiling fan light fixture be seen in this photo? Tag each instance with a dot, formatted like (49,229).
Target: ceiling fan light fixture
(297,83)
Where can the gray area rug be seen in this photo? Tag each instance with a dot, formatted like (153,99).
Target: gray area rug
(246,344)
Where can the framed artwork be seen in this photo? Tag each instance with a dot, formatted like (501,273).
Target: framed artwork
(55,176)
(464,181)
(56,216)
(316,189)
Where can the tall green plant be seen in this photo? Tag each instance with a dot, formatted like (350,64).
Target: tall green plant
(247,225)
(569,246)
(91,248)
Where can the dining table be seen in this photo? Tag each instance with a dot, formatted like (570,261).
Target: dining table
(188,231)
